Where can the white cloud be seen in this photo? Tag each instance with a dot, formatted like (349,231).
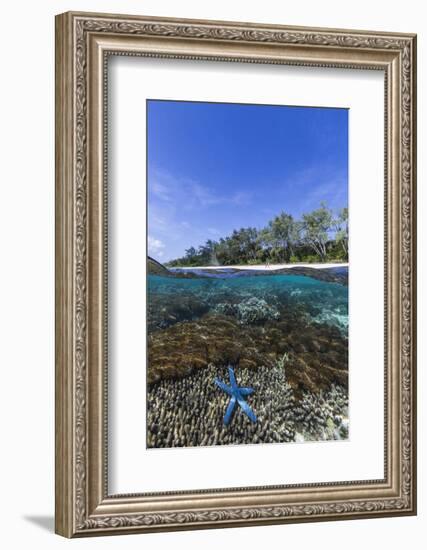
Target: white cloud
(160,190)
(173,201)
(241,198)
(170,191)
(203,196)
(155,247)
(206,197)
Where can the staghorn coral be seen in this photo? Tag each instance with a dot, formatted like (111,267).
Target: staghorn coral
(189,411)
(256,311)
(252,311)
(226,308)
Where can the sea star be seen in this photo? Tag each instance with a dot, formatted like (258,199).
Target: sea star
(236,394)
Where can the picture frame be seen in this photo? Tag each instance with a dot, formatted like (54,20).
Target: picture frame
(84,505)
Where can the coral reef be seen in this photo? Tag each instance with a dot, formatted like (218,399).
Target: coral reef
(189,411)
(255,311)
(285,335)
(180,349)
(164,311)
(251,311)
(322,416)
(318,353)
(227,308)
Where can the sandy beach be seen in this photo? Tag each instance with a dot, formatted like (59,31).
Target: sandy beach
(271,267)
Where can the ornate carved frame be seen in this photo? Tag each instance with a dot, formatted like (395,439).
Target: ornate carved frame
(83,42)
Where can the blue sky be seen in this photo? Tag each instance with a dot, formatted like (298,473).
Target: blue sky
(215,167)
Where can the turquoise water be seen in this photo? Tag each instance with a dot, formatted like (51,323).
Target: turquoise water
(251,298)
(285,336)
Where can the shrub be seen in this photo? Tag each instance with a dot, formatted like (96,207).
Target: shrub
(311,259)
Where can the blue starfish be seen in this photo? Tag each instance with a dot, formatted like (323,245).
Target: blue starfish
(237,395)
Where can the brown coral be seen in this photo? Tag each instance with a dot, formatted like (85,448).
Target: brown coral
(317,354)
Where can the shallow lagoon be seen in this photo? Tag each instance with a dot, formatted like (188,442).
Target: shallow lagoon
(323,301)
(285,334)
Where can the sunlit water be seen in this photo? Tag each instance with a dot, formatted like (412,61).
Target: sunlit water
(320,301)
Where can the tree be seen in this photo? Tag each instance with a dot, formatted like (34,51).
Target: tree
(319,231)
(206,253)
(190,253)
(283,236)
(235,247)
(316,226)
(264,245)
(341,229)
(223,252)
(247,238)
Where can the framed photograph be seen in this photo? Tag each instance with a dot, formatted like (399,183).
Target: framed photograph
(235,274)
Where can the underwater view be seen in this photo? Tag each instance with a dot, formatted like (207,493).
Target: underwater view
(284,336)
(247,274)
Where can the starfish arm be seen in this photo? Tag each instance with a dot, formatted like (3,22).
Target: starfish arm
(246,391)
(232,378)
(223,387)
(229,411)
(247,410)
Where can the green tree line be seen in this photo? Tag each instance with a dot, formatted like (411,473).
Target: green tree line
(319,236)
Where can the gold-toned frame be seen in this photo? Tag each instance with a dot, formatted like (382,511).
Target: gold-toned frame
(83,43)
